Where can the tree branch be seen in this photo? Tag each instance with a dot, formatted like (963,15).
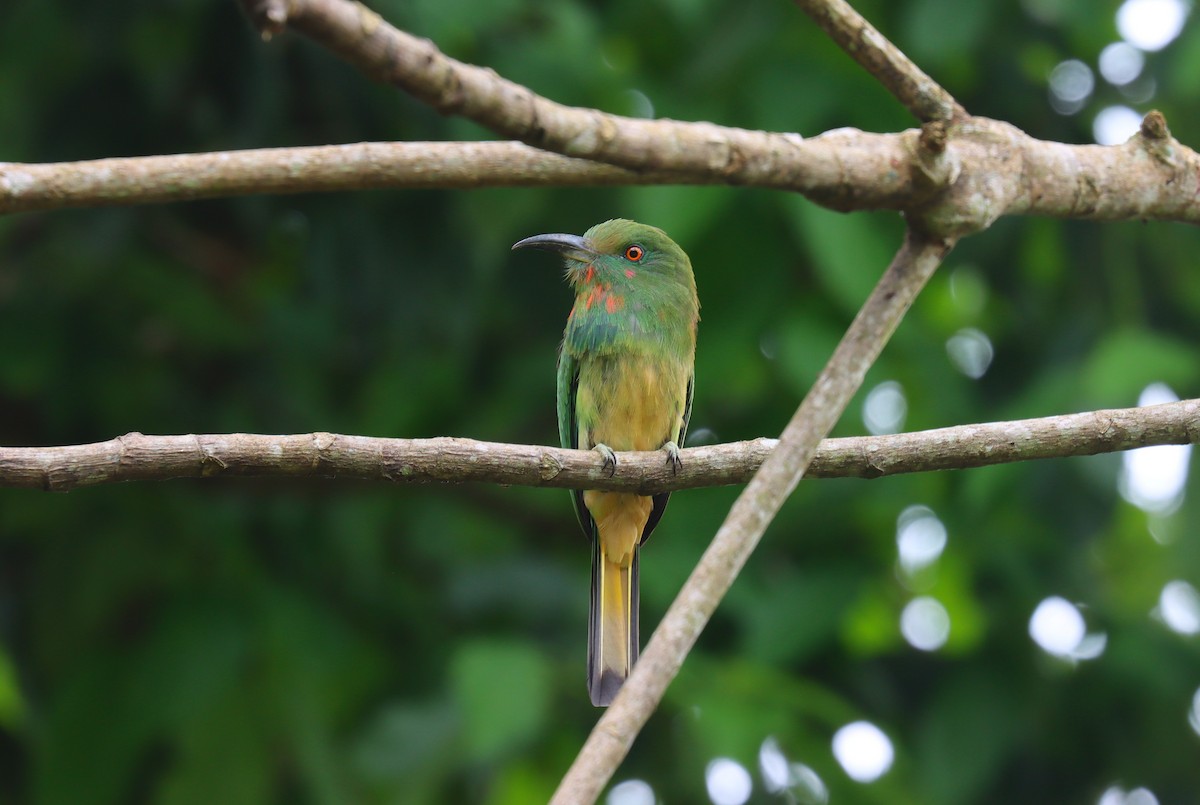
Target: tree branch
(995,169)
(749,517)
(919,93)
(358,166)
(415,65)
(843,169)
(135,457)
(989,168)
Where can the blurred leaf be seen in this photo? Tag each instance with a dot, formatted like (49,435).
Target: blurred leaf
(12,706)
(1127,361)
(952,42)
(503,692)
(519,783)
(964,736)
(797,613)
(872,624)
(224,755)
(849,252)
(407,748)
(953,587)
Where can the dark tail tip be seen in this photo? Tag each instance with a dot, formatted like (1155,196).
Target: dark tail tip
(603,689)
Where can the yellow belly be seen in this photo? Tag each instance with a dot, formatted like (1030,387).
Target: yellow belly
(631,403)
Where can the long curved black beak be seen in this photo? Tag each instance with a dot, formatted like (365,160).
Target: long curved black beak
(572,246)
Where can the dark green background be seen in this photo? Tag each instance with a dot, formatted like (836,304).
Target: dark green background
(245,641)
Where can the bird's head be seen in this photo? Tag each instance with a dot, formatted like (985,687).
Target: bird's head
(619,253)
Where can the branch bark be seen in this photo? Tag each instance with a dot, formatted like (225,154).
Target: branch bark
(844,169)
(357,166)
(136,457)
(994,169)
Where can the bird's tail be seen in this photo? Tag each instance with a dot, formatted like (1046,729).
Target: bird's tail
(613,624)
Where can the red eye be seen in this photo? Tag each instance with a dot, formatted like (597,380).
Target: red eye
(635,253)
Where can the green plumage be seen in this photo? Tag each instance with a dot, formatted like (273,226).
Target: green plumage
(625,379)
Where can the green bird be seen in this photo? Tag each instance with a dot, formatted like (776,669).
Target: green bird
(625,376)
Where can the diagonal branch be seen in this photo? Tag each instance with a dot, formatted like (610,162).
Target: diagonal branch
(136,457)
(749,517)
(991,168)
(415,65)
(919,93)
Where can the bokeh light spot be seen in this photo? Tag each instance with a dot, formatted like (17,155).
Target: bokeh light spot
(1071,84)
(1151,24)
(640,104)
(1115,124)
(925,623)
(1115,795)
(1153,478)
(1057,626)
(801,784)
(971,352)
(885,408)
(1194,712)
(631,792)
(728,782)
(920,538)
(863,750)
(1121,63)
(1091,646)
(1179,607)
(773,765)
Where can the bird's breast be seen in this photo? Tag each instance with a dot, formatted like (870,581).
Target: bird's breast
(630,401)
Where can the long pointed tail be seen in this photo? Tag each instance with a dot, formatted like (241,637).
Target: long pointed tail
(612,626)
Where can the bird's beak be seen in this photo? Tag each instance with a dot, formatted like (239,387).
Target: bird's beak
(572,246)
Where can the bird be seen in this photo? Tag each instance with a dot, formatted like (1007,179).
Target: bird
(626,372)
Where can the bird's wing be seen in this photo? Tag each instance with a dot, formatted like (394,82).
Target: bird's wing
(568,425)
(660,501)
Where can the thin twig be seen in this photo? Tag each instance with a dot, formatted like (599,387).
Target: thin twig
(919,93)
(750,515)
(136,457)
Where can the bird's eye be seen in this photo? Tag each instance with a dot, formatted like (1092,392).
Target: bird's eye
(635,253)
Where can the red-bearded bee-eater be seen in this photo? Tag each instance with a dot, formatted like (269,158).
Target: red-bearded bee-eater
(625,375)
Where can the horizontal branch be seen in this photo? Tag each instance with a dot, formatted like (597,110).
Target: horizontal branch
(845,169)
(358,166)
(1149,177)
(135,457)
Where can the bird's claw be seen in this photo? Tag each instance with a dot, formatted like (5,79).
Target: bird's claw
(673,457)
(610,459)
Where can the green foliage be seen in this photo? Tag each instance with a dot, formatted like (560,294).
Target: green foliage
(243,641)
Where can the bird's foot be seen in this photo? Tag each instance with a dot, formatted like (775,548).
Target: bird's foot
(610,458)
(673,458)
